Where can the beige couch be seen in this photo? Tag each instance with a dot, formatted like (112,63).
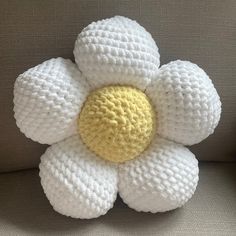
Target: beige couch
(204,32)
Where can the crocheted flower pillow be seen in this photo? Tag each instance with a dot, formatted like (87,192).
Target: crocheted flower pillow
(116,122)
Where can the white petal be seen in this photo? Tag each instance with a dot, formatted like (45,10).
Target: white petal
(47,100)
(163,178)
(76,182)
(117,51)
(186,101)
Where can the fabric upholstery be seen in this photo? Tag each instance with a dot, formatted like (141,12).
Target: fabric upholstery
(201,31)
(24,210)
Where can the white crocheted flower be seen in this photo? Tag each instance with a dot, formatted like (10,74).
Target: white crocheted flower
(116,122)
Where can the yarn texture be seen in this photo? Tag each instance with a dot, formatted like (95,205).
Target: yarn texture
(162,178)
(188,105)
(76,182)
(116,122)
(117,51)
(48,99)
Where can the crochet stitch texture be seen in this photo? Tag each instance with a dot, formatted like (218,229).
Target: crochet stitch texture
(117,122)
(116,103)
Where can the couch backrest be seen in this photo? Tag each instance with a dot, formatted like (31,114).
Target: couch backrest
(200,31)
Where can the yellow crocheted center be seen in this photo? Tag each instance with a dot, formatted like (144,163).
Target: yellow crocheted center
(117,122)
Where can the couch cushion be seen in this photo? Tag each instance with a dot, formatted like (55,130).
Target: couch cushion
(33,31)
(24,210)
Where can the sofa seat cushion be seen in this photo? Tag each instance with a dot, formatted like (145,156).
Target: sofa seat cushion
(24,210)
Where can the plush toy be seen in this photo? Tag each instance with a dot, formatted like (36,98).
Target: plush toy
(116,122)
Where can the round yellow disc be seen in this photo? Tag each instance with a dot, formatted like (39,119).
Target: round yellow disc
(117,122)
